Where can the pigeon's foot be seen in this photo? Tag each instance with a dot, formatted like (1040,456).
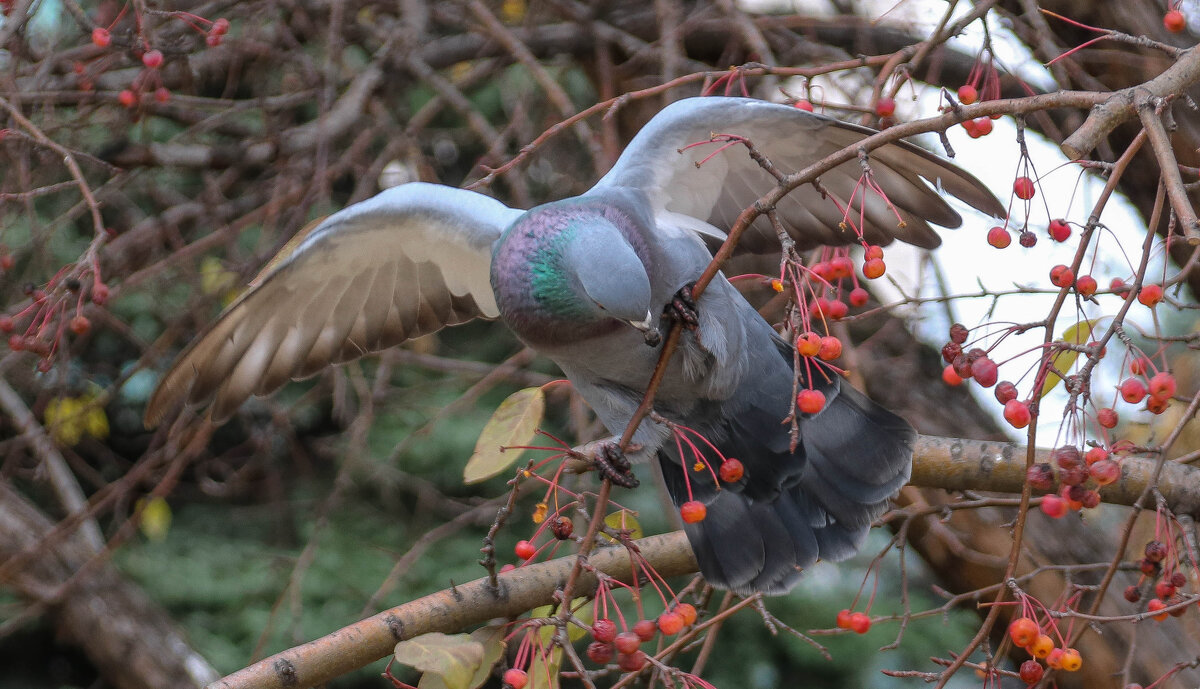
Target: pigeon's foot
(682,308)
(613,465)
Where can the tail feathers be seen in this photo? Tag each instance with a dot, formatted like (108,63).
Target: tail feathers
(792,508)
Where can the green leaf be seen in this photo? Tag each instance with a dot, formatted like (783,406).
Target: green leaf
(543,670)
(492,641)
(623,520)
(1064,359)
(454,658)
(513,423)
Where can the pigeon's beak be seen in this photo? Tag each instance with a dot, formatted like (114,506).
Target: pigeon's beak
(653,337)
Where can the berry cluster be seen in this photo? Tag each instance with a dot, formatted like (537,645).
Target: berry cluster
(149,80)
(625,646)
(52,310)
(858,622)
(1026,633)
(983,83)
(1076,472)
(1162,571)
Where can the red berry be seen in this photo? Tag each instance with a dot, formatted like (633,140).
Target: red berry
(670,623)
(1107,417)
(873,268)
(951,351)
(100,294)
(837,310)
(1155,551)
(1178,579)
(645,630)
(843,619)
(1132,594)
(859,297)
(1059,230)
(688,612)
(731,471)
(517,679)
(631,662)
(127,98)
(1016,413)
(841,267)
(1132,390)
(970,128)
(967,94)
(860,622)
(6,323)
(604,630)
(600,653)
(999,237)
(220,26)
(1054,660)
(801,104)
(959,333)
(885,107)
(44,365)
(1148,567)
(950,376)
(810,401)
(1140,366)
(873,251)
(1162,385)
(525,550)
(1157,405)
(101,37)
(1023,631)
(1090,499)
(7,261)
(80,325)
(628,642)
(561,527)
(153,59)
(1006,391)
(1118,285)
(1062,276)
(1054,506)
(1027,239)
(1031,672)
(1174,21)
(982,127)
(16,343)
(1164,589)
(693,511)
(1094,455)
(1086,285)
(1040,477)
(1066,457)
(213,40)
(1150,295)
(1023,188)
(985,372)
(162,94)
(831,347)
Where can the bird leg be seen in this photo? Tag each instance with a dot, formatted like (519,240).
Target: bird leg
(682,308)
(613,465)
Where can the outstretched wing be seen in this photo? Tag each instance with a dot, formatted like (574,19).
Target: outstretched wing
(716,190)
(407,262)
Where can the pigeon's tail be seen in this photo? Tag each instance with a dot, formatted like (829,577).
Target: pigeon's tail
(790,508)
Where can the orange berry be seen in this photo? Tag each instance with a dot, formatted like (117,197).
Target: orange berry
(1023,631)
(810,401)
(688,612)
(1071,660)
(843,619)
(873,268)
(670,623)
(860,622)
(1041,646)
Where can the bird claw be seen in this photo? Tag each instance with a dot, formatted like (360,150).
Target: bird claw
(682,308)
(613,465)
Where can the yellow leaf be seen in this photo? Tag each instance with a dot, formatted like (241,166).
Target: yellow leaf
(512,11)
(492,640)
(214,278)
(1063,360)
(454,658)
(624,520)
(154,518)
(513,423)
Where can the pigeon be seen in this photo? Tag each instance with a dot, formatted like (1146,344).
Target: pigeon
(589,281)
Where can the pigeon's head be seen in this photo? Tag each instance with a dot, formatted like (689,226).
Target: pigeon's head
(569,270)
